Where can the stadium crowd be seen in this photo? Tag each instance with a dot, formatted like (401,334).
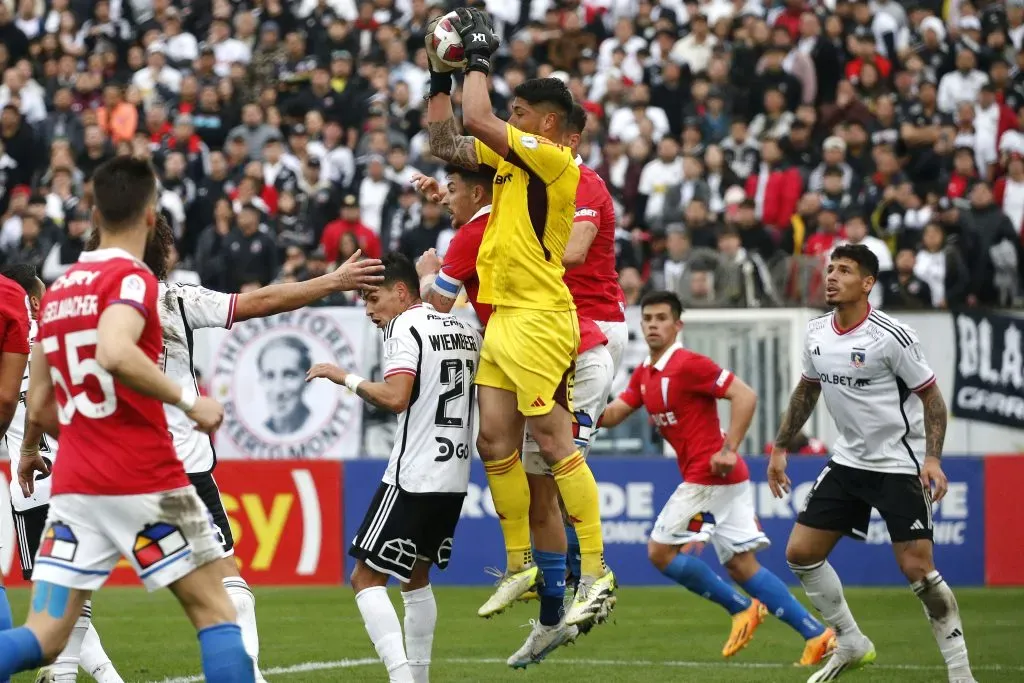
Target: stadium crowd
(742,141)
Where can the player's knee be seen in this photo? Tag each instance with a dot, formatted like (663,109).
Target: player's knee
(489,443)
(802,555)
(364,577)
(661,555)
(915,566)
(742,566)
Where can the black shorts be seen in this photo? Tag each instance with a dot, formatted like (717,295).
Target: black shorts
(842,498)
(206,487)
(29,525)
(401,528)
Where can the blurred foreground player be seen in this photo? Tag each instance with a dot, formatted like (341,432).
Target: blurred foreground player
(892,423)
(680,390)
(119,488)
(30,511)
(14,332)
(430,359)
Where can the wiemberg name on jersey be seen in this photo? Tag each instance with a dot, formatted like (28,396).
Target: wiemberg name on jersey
(453,342)
(71,307)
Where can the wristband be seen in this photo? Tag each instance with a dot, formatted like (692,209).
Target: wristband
(187,401)
(479,62)
(441,84)
(352,381)
(426,284)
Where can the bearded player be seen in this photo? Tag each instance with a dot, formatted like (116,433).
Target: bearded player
(95,379)
(680,390)
(528,355)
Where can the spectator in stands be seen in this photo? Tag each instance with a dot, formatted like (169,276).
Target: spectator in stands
(775,188)
(901,288)
(742,278)
(65,253)
(961,85)
(942,267)
(248,253)
(994,255)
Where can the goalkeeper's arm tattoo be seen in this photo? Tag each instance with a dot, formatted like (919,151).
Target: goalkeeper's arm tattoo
(801,405)
(446,143)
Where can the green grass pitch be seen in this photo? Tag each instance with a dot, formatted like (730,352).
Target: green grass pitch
(658,634)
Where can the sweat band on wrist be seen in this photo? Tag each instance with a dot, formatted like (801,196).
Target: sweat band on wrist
(187,401)
(352,382)
(441,84)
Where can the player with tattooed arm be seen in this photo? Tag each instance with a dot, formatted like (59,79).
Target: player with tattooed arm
(891,420)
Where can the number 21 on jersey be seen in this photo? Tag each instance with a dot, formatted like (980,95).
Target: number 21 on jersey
(459,377)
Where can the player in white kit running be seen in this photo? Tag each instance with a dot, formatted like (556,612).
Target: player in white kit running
(892,422)
(30,511)
(185,308)
(430,361)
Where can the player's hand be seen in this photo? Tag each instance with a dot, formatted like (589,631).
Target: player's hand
(30,463)
(723,462)
(478,38)
(326,371)
(207,414)
(428,187)
(355,274)
(932,475)
(428,264)
(778,482)
(435,63)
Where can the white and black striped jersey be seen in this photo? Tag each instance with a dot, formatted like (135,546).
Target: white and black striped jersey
(434,438)
(13,438)
(869,376)
(184,309)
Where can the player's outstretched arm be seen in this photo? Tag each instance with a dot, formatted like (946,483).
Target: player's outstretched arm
(392,395)
(40,418)
(614,413)
(935,418)
(427,267)
(354,274)
(801,405)
(446,142)
(12,369)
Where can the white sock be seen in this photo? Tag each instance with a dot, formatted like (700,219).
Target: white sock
(420,619)
(245,606)
(95,660)
(944,616)
(825,591)
(65,668)
(385,632)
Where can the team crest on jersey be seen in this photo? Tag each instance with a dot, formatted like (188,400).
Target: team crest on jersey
(156,542)
(270,411)
(858,357)
(59,543)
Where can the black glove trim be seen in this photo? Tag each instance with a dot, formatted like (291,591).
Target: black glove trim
(479,62)
(441,84)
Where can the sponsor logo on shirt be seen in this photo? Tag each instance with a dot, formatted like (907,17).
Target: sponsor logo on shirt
(502,179)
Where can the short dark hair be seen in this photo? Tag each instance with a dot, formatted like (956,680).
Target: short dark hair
(865,259)
(482,175)
(577,118)
(549,91)
(398,268)
(663,297)
(25,275)
(123,187)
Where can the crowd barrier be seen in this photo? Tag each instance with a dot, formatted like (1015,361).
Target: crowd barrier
(292,522)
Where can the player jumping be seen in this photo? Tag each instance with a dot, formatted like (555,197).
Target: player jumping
(527,362)
(119,488)
(30,511)
(889,412)
(680,389)
(430,359)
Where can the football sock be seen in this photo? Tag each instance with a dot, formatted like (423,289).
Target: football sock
(6,619)
(511,495)
(65,668)
(245,607)
(95,660)
(420,619)
(694,575)
(825,591)
(552,586)
(19,651)
(385,632)
(578,487)
(770,590)
(573,552)
(223,655)
(944,616)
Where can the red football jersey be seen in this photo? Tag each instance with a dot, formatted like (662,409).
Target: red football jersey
(459,269)
(113,440)
(595,283)
(14,319)
(681,393)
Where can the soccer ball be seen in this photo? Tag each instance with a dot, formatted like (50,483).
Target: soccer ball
(447,43)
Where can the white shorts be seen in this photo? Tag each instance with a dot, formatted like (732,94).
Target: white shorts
(618,338)
(595,372)
(724,515)
(165,536)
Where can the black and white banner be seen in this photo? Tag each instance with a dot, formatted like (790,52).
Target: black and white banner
(989,368)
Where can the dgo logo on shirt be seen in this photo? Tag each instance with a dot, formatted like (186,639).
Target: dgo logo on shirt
(270,412)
